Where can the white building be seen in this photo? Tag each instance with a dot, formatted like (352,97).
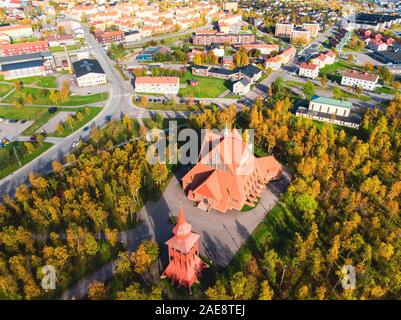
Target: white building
(242,87)
(308,70)
(17,31)
(88,73)
(377,45)
(364,80)
(160,85)
(132,36)
(329,110)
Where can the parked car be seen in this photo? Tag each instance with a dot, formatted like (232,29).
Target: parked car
(52,110)
(107,118)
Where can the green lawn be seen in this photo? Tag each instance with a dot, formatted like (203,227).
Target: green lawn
(338,65)
(275,231)
(4,89)
(40,81)
(61,48)
(87,117)
(167,106)
(12,164)
(89,99)
(386,90)
(207,87)
(42,97)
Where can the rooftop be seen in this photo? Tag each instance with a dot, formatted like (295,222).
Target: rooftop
(332,102)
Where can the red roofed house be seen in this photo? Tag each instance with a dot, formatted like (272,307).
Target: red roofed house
(324,59)
(161,85)
(308,70)
(227,175)
(183,252)
(23,48)
(353,78)
(111,36)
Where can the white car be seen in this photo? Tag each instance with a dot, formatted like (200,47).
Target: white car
(75,144)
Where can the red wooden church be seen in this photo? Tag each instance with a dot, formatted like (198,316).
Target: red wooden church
(183,251)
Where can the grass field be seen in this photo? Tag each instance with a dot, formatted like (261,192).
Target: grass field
(4,89)
(44,81)
(175,107)
(338,65)
(11,164)
(61,48)
(42,97)
(207,87)
(275,231)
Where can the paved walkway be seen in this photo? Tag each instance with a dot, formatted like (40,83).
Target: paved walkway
(221,234)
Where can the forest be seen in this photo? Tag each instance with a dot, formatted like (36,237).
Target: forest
(341,208)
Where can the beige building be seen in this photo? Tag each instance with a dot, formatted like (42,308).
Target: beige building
(230,6)
(284,30)
(312,27)
(300,35)
(363,80)
(160,85)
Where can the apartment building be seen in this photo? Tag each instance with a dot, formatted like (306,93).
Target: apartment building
(209,37)
(159,85)
(300,35)
(364,80)
(308,70)
(17,31)
(284,30)
(61,40)
(324,59)
(312,27)
(111,36)
(23,48)
(262,47)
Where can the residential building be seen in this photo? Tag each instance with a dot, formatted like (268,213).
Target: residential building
(373,21)
(111,36)
(88,73)
(184,265)
(241,87)
(230,6)
(377,45)
(264,48)
(23,48)
(227,61)
(282,58)
(324,59)
(284,30)
(61,40)
(330,110)
(312,27)
(251,72)
(363,80)
(209,37)
(308,70)
(300,35)
(159,85)
(132,36)
(17,31)
(228,176)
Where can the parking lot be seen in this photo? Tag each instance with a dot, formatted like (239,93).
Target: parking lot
(12,129)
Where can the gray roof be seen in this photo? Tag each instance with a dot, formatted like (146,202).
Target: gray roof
(25,57)
(85,66)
